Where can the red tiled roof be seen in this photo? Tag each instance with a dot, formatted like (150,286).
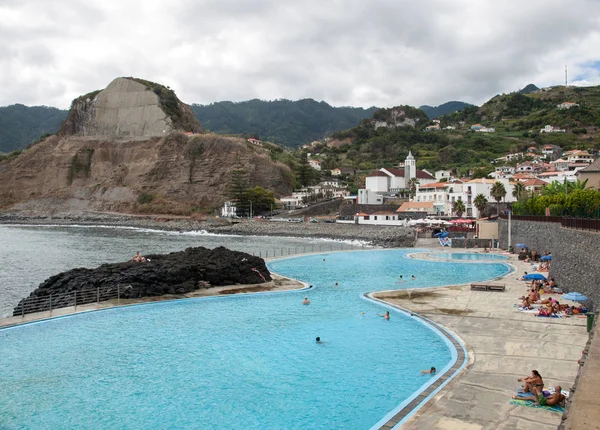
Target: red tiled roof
(376,173)
(436,185)
(534,181)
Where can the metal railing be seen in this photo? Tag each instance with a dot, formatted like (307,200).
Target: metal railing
(50,302)
(97,295)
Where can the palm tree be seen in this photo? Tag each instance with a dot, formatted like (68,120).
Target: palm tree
(459,208)
(412,184)
(480,203)
(518,190)
(498,192)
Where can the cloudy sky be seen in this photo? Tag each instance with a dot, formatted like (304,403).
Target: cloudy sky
(345,52)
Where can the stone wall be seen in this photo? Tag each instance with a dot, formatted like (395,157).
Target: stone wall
(575,253)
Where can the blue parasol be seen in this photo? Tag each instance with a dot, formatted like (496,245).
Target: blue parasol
(576,297)
(546,258)
(534,276)
(445,234)
(438,234)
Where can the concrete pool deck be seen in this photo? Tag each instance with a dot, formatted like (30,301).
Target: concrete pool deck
(504,344)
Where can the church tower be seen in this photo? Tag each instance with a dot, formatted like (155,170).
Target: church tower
(410,168)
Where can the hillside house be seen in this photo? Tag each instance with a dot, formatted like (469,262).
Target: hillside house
(432,127)
(580,157)
(566,105)
(476,127)
(534,185)
(560,164)
(255,141)
(315,164)
(551,129)
(486,130)
(591,173)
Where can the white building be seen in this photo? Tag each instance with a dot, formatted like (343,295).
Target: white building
(315,164)
(550,129)
(443,195)
(566,105)
(580,157)
(228,210)
(486,130)
(443,174)
(392,180)
(380,218)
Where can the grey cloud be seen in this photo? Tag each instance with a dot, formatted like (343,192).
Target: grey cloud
(351,52)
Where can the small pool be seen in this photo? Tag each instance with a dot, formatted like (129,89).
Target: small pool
(466,256)
(247,362)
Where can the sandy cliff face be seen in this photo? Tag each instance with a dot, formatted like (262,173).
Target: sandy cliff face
(118,151)
(130,109)
(179,173)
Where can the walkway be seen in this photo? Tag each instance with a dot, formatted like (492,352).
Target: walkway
(504,344)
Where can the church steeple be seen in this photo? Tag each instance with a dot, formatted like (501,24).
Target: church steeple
(410,167)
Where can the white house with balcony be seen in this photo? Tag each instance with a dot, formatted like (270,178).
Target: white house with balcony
(228,210)
(580,157)
(315,164)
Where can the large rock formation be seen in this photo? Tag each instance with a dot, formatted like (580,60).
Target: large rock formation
(123,149)
(129,108)
(175,273)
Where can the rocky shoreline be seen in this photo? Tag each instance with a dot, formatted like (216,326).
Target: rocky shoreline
(387,237)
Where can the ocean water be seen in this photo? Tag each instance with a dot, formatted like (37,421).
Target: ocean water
(31,254)
(247,362)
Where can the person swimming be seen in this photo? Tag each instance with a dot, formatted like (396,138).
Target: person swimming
(318,340)
(413,277)
(385,316)
(430,371)
(306,301)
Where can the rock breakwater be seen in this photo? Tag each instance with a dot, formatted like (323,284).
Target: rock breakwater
(174,273)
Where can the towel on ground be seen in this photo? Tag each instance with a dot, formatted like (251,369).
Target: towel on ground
(529,404)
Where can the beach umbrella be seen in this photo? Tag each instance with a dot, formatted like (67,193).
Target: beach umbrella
(574,296)
(534,276)
(546,258)
(445,234)
(438,234)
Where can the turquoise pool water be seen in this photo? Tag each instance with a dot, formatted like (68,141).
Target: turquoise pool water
(247,362)
(466,256)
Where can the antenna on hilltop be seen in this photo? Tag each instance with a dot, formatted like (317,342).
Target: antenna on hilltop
(566,82)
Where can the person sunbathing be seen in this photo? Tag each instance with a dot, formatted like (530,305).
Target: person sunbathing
(138,257)
(535,380)
(526,303)
(553,399)
(547,311)
(545,301)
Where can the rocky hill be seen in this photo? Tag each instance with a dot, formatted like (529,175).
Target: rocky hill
(124,149)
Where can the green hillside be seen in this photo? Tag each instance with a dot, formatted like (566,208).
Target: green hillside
(516,117)
(21,125)
(444,109)
(286,122)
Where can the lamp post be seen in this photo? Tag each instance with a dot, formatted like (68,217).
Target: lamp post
(509,231)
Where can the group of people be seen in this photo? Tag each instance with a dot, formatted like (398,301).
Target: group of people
(534,384)
(549,306)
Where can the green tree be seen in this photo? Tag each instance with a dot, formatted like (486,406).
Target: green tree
(518,190)
(412,184)
(262,200)
(480,203)
(498,192)
(238,185)
(305,173)
(459,207)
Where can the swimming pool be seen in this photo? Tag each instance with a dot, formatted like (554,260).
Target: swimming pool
(235,362)
(466,256)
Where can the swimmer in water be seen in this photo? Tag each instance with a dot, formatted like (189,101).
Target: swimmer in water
(306,301)
(385,316)
(430,371)
(319,341)
(413,277)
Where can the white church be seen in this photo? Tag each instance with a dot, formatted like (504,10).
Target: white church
(392,181)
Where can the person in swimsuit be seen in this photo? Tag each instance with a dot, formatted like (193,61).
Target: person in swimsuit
(535,380)
(385,316)
(306,301)
(430,371)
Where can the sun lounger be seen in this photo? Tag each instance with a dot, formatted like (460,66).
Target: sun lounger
(487,286)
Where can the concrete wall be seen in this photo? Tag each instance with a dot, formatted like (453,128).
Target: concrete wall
(575,253)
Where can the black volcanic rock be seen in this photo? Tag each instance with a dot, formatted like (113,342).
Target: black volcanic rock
(174,273)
